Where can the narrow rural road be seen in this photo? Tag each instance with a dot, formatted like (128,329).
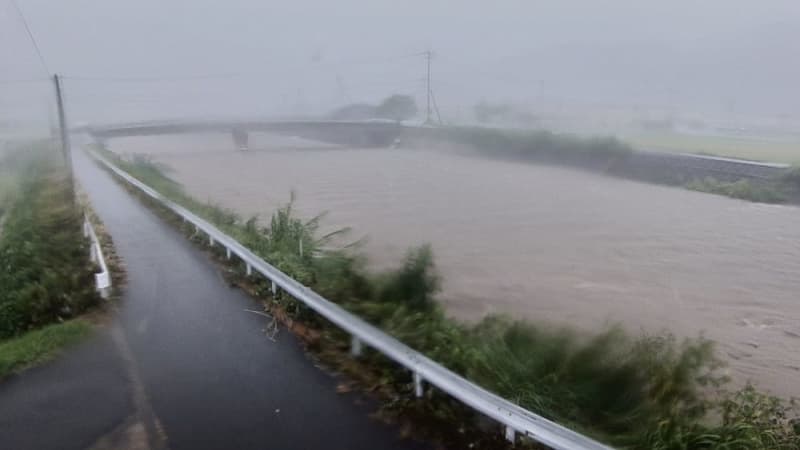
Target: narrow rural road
(202,373)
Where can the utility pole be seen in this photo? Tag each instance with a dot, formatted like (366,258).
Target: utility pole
(436,107)
(62,126)
(428,90)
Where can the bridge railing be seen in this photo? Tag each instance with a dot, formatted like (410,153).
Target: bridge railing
(514,418)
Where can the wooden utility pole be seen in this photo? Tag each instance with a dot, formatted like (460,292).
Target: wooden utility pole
(64,134)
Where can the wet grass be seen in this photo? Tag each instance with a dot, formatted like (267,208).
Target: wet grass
(46,276)
(38,346)
(771,192)
(643,391)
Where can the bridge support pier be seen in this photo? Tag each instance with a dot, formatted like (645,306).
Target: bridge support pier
(240,138)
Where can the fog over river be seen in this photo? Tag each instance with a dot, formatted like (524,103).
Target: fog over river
(534,241)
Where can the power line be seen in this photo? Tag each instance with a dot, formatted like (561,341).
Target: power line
(30,35)
(24,81)
(290,68)
(148,79)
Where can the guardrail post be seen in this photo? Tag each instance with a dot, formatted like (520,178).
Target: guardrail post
(210,240)
(228,252)
(103,278)
(103,282)
(418,384)
(356,347)
(249,269)
(511,435)
(274,288)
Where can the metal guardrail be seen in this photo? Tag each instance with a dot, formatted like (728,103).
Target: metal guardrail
(102,278)
(514,418)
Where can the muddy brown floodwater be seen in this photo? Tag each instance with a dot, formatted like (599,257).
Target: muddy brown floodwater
(533,241)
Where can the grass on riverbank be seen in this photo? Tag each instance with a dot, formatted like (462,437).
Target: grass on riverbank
(38,346)
(742,189)
(610,155)
(638,392)
(538,145)
(780,190)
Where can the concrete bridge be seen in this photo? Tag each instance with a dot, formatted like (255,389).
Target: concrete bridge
(350,133)
(652,166)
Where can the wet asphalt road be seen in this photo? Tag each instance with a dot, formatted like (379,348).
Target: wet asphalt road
(68,403)
(210,375)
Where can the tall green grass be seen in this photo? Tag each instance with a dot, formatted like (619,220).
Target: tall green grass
(652,391)
(46,275)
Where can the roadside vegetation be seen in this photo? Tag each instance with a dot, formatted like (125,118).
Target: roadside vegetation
(8,182)
(45,273)
(37,346)
(632,391)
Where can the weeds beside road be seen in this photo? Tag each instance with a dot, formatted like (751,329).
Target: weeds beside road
(39,345)
(45,273)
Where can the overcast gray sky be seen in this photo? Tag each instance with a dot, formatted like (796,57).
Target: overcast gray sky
(306,56)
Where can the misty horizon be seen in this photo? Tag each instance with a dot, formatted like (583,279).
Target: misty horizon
(132,61)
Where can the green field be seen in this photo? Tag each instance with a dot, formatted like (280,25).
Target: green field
(731,147)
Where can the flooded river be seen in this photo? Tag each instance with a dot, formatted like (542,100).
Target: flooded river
(535,241)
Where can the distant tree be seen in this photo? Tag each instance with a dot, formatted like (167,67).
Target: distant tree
(482,112)
(488,112)
(354,111)
(397,107)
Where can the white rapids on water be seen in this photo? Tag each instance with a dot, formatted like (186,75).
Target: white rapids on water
(534,241)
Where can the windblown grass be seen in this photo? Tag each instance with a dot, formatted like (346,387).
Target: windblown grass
(46,275)
(652,391)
